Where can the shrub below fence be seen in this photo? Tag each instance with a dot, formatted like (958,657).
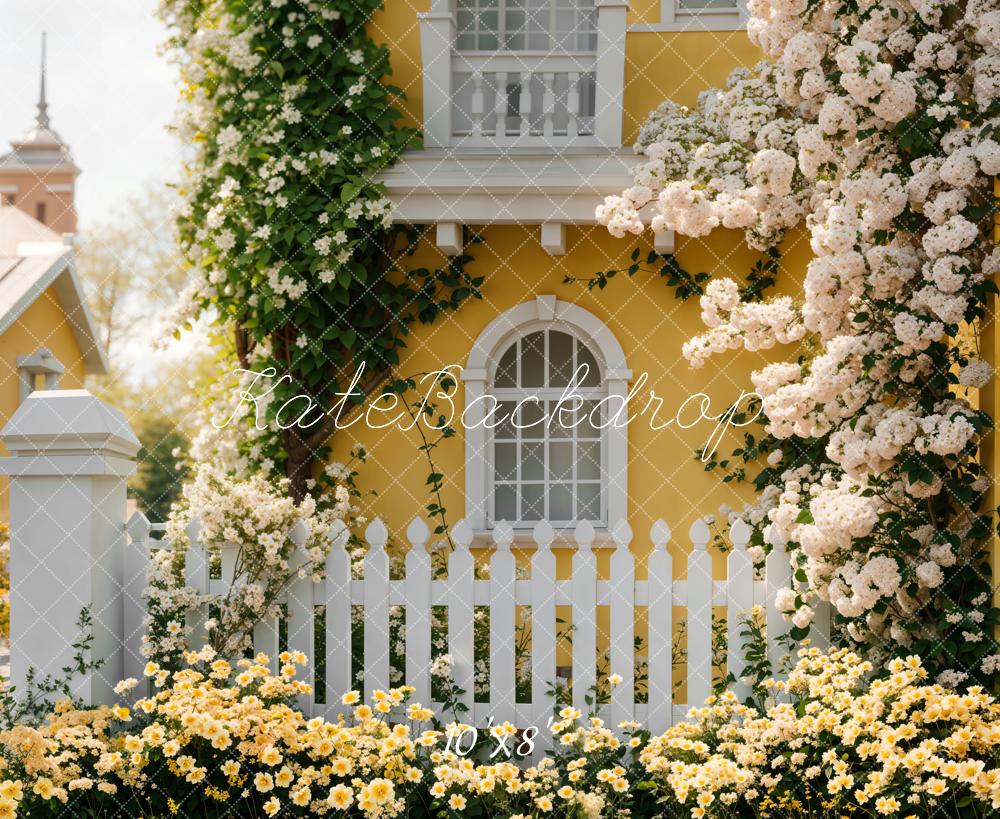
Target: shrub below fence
(222,741)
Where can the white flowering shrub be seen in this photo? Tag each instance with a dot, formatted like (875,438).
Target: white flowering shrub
(273,540)
(874,124)
(287,233)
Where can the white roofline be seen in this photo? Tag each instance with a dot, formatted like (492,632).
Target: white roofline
(61,274)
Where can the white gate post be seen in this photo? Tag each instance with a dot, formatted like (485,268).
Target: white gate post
(70,456)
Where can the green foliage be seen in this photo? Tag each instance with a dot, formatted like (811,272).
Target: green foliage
(286,227)
(159,471)
(686,285)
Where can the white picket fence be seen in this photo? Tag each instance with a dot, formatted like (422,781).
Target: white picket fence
(503,592)
(70,457)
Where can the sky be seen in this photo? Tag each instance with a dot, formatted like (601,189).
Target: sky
(111,95)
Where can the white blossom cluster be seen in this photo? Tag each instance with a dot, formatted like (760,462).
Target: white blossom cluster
(730,163)
(255,520)
(873,124)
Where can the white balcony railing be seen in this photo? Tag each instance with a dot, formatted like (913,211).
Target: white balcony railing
(550,99)
(512,99)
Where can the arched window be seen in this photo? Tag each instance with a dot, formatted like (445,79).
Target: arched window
(541,384)
(547,452)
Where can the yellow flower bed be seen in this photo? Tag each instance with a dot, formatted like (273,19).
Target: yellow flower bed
(216,734)
(835,744)
(219,739)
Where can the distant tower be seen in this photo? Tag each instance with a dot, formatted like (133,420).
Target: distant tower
(38,174)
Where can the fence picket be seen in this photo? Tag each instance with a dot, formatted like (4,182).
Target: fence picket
(739,599)
(376,601)
(622,649)
(338,615)
(503,677)
(134,570)
(778,574)
(417,591)
(302,612)
(584,615)
(819,631)
(196,577)
(699,611)
(543,632)
(660,623)
(461,611)
(265,641)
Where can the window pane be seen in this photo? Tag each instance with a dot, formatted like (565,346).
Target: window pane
(531,420)
(505,503)
(532,462)
(588,462)
(515,42)
(561,502)
(560,359)
(506,376)
(562,420)
(592,416)
(561,462)
(504,429)
(533,360)
(584,356)
(588,501)
(506,462)
(531,501)
(538,41)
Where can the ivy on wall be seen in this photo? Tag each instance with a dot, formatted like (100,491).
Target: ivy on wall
(287,231)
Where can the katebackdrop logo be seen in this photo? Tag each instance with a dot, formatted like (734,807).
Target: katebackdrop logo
(490,411)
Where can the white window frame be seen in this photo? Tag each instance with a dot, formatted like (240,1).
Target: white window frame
(675,18)
(544,312)
(502,33)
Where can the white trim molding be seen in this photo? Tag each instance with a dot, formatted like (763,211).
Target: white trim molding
(515,187)
(545,311)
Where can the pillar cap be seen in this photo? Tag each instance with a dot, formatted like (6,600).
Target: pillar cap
(68,422)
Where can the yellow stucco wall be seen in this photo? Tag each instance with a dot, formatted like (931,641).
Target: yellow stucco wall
(43,324)
(664,478)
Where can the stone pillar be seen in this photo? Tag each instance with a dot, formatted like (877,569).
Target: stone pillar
(70,455)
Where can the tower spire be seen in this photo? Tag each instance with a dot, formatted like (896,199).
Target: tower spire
(42,118)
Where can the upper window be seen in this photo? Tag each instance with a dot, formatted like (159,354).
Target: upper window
(527,25)
(548,456)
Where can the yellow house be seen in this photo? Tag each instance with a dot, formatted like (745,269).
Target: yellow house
(528,111)
(47,337)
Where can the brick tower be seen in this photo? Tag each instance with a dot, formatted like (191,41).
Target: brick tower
(37,174)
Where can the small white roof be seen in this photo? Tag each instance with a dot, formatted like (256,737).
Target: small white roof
(33,258)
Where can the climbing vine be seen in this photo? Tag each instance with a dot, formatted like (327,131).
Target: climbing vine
(287,231)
